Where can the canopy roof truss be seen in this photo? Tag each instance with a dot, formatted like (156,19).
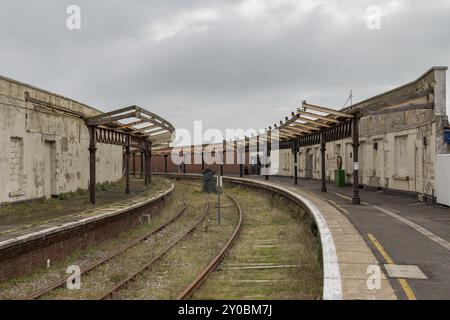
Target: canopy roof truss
(139,124)
(132,128)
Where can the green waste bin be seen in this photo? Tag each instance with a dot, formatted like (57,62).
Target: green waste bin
(339,178)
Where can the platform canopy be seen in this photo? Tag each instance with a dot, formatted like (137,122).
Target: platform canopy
(304,126)
(132,128)
(310,122)
(134,121)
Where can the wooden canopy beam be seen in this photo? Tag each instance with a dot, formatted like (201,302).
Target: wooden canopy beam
(317,123)
(297,130)
(306,105)
(91,120)
(110,119)
(129,125)
(144,129)
(313,115)
(307,126)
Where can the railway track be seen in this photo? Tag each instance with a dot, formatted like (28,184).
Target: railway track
(110,293)
(189,290)
(85,270)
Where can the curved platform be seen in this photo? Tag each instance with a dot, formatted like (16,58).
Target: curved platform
(348,262)
(38,246)
(346,256)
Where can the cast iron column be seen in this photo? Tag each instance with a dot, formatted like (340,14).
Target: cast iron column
(146,163)
(258,171)
(295,142)
(149,161)
(165,163)
(142,164)
(322,156)
(203,161)
(240,157)
(127,166)
(267,164)
(223,157)
(92,162)
(355,136)
(134,164)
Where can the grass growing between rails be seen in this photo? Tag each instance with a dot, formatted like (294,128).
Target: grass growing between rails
(171,275)
(20,287)
(277,254)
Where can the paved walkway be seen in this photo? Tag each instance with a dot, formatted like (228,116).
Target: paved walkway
(400,231)
(45,228)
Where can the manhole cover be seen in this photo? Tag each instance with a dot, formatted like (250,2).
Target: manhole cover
(404,271)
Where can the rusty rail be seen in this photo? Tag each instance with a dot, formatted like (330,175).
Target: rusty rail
(187,293)
(94,265)
(124,282)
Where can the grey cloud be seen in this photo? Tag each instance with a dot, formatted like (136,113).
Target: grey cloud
(227,70)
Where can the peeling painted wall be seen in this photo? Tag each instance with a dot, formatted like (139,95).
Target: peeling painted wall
(397,150)
(55,145)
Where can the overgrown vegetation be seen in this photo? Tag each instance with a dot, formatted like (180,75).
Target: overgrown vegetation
(277,255)
(28,214)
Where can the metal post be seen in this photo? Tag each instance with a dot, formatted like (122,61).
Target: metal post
(127,166)
(258,169)
(203,161)
(322,156)
(219,191)
(238,156)
(142,164)
(134,164)
(92,162)
(150,162)
(165,163)
(146,164)
(267,164)
(355,136)
(223,157)
(295,162)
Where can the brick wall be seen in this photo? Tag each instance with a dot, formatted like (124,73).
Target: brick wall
(230,166)
(25,257)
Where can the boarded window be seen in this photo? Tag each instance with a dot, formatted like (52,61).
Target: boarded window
(401,156)
(16,179)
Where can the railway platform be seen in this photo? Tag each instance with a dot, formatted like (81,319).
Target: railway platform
(31,246)
(410,239)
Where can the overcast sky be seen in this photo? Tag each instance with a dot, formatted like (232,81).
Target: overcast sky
(233,64)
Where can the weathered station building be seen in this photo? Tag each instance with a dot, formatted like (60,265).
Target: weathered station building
(401,133)
(51,144)
(44,144)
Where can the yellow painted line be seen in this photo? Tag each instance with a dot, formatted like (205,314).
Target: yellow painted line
(408,291)
(380,249)
(403,283)
(338,207)
(331,202)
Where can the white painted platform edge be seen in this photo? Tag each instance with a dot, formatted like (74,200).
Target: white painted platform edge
(332,283)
